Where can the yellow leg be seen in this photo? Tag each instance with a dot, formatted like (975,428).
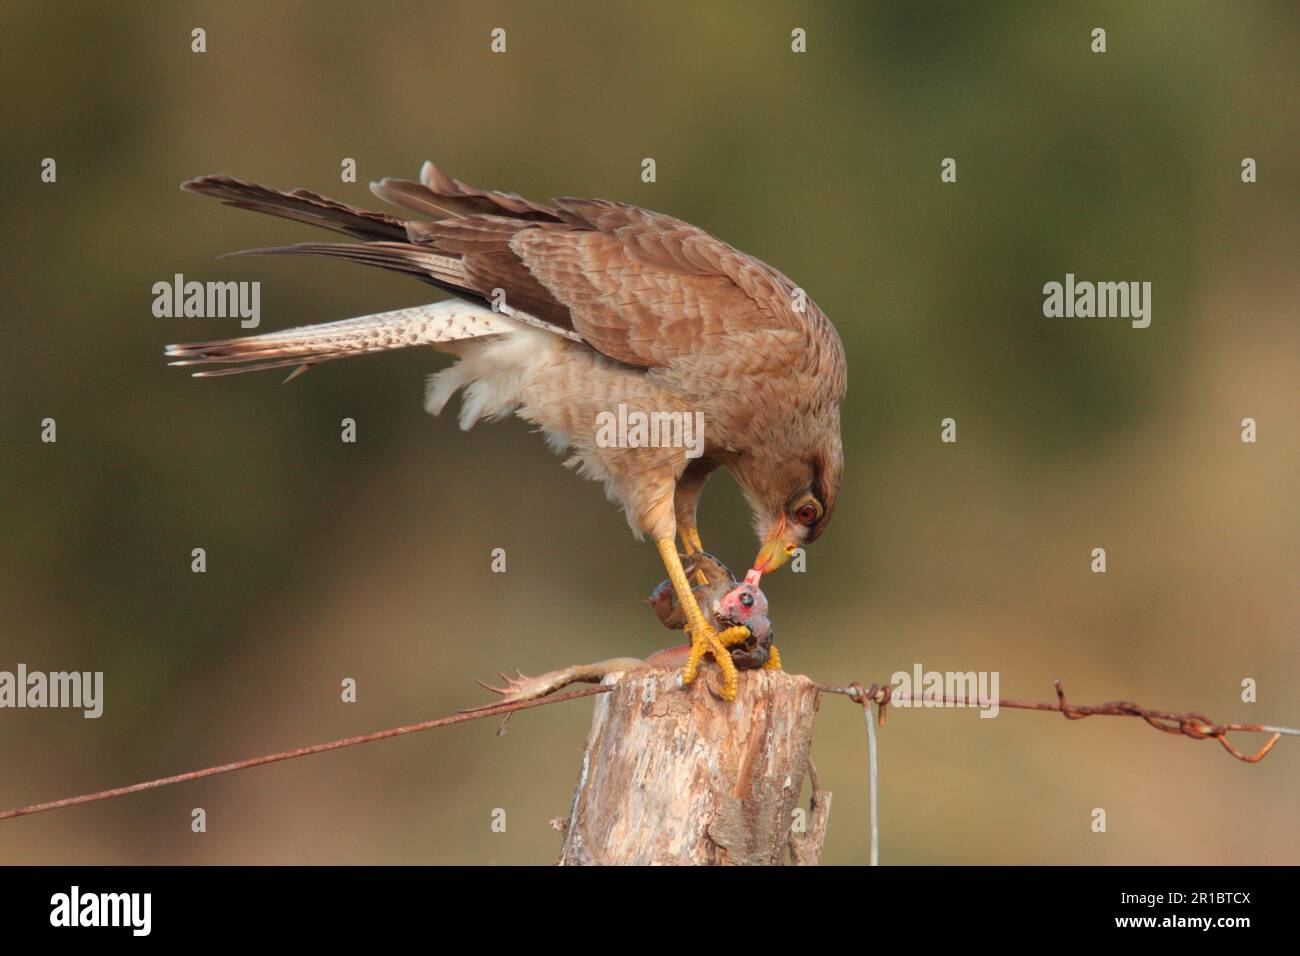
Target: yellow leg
(773,659)
(705,638)
(691,541)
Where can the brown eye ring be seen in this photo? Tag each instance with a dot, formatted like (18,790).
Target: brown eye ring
(807,513)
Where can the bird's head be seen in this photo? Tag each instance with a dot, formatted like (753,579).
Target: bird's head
(793,498)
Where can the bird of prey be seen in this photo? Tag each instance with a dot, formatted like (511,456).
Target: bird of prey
(567,314)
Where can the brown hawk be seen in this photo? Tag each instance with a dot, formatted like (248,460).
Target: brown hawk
(582,314)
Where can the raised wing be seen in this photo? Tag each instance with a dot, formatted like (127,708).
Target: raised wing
(640,287)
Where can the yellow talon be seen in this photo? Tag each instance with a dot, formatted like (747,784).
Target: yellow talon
(732,636)
(773,659)
(705,638)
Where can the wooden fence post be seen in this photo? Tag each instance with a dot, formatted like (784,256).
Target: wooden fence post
(674,775)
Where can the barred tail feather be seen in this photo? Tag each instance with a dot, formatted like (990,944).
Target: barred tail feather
(448,321)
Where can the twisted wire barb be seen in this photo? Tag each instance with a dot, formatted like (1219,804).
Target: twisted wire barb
(1196,726)
(1193,725)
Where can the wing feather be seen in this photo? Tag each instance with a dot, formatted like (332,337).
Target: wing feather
(640,287)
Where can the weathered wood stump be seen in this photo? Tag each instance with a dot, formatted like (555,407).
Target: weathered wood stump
(674,775)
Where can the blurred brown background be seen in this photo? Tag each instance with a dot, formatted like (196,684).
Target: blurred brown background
(329,560)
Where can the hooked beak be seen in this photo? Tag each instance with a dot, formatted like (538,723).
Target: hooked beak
(776,551)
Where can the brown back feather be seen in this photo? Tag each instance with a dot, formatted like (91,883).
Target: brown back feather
(640,287)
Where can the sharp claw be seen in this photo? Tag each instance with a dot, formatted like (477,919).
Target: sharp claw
(706,639)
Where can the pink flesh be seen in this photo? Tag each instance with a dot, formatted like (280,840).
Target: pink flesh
(753,576)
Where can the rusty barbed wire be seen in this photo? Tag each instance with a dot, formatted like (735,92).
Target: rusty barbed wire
(1194,725)
(491,710)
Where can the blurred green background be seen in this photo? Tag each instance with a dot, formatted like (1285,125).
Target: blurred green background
(328,560)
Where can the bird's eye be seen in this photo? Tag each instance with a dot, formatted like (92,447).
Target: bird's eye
(747,600)
(808,512)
